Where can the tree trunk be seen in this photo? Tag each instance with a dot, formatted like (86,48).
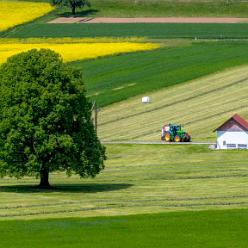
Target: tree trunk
(44,179)
(73,9)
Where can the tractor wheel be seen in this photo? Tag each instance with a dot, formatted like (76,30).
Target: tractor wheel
(177,138)
(167,137)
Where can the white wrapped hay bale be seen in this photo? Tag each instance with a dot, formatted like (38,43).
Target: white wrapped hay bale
(145,99)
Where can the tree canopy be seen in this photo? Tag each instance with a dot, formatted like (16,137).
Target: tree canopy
(73,4)
(45,119)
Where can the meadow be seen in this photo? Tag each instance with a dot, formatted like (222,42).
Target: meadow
(148,195)
(71,49)
(210,229)
(113,79)
(137,179)
(17,12)
(200,106)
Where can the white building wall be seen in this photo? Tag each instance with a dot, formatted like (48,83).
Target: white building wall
(232,140)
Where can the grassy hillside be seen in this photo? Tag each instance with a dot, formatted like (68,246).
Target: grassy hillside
(113,79)
(151,30)
(137,179)
(150,8)
(130,8)
(200,106)
(208,229)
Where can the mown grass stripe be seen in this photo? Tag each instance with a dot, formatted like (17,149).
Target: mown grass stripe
(199,105)
(137,179)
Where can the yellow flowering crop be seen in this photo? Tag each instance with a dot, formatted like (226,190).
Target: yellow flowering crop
(70,40)
(74,51)
(13,13)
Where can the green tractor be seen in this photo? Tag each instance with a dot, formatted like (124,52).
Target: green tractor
(174,133)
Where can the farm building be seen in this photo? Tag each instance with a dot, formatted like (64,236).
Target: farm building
(233,134)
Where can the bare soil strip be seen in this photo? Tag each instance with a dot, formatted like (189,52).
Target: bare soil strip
(149,20)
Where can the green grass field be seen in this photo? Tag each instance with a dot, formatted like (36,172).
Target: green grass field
(112,79)
(209,229)
(200,106)
(151,30)
(137,179)
(150,8)
(140,8)
(132,8)
(148,195)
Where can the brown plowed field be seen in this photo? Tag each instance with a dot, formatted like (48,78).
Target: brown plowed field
(148,20)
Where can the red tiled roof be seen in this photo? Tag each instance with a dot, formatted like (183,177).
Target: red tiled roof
(242,122)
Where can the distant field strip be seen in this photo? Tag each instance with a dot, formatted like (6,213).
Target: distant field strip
(168,8)
(137,179)
(71,50)
(200,106)
(17,12)
(148,20)
(151,30)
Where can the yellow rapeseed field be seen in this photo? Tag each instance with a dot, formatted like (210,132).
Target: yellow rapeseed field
(72,51)
(14,12)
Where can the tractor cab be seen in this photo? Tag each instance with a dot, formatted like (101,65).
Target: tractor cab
(175,128)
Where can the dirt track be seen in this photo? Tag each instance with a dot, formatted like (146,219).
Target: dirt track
(149,20)
(154,143)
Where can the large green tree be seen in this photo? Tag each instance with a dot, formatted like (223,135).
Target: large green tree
(45,119)
(73,4)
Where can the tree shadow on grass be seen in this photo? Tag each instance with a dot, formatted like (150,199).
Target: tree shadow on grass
(66,188)
(82,13)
